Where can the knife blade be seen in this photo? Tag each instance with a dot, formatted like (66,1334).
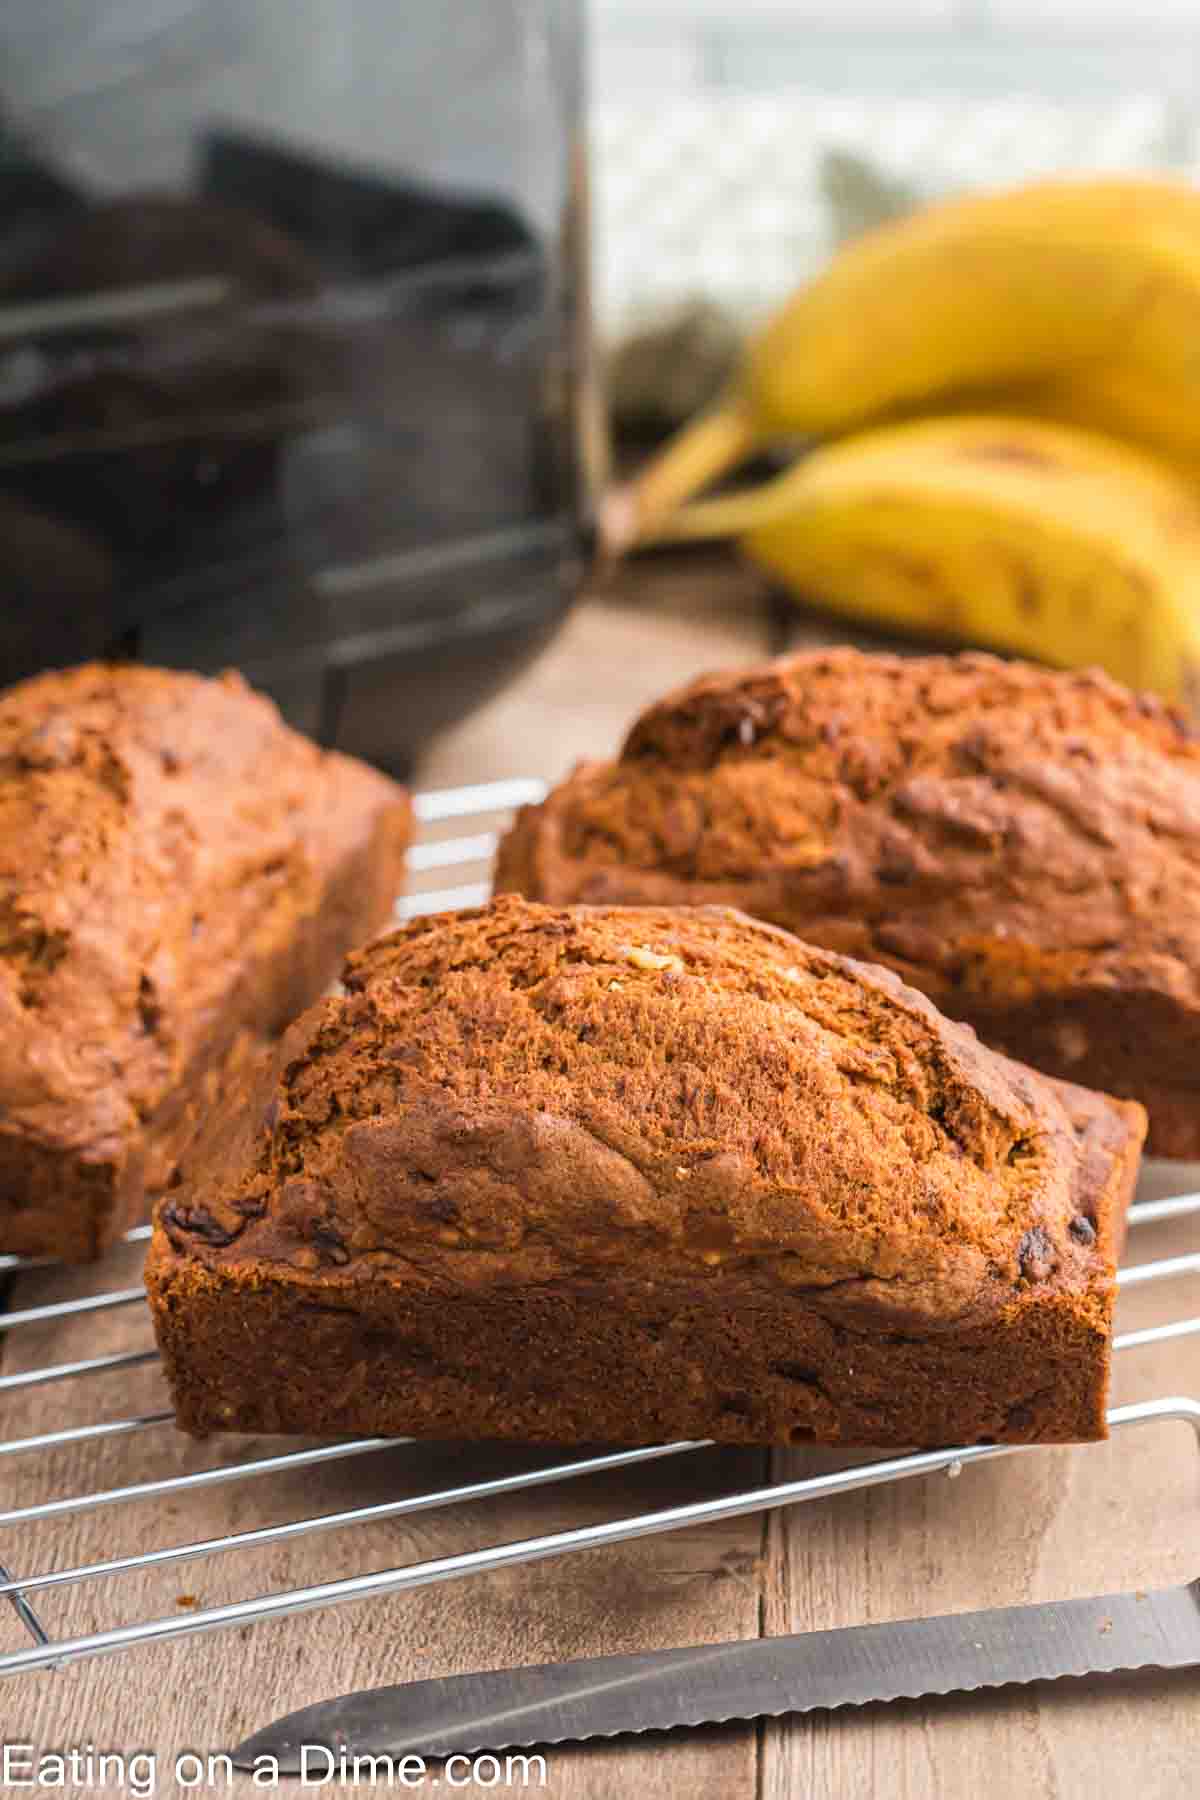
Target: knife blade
(760,1677)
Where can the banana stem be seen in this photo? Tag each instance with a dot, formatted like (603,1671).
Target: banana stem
(731,516)
(704,449)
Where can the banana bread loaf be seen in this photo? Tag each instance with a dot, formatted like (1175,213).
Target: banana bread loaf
(627,1175)
(1021,844)
(177,870)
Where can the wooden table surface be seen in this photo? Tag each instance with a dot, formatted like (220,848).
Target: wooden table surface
(1041,1524)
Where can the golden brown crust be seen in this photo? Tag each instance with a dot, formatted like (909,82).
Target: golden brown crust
(608,1117)
(1021,844)
(177,868)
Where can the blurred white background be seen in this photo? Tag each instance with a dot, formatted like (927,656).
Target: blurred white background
(735,141)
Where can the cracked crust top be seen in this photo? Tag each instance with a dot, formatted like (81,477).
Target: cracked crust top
(1021,843)
(525,1094)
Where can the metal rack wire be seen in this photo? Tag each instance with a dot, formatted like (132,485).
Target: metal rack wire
(437,854)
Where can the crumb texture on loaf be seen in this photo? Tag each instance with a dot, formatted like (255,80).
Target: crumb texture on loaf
(1023,844)
(176,867)
(530,1107)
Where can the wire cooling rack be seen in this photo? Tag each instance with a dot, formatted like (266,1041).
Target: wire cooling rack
(444,851)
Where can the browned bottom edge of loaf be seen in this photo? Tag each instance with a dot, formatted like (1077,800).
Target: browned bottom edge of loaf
(254,1350)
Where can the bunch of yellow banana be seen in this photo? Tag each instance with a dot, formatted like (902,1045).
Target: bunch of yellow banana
(1051,504)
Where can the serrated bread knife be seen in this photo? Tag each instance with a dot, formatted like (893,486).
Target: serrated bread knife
(714,1683)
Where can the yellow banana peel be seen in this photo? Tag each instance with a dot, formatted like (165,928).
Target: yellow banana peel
(1028,536)
(1072,298)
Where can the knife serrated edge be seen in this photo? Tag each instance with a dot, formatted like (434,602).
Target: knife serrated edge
(496,1742)
(503,1739)
(787,1712)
